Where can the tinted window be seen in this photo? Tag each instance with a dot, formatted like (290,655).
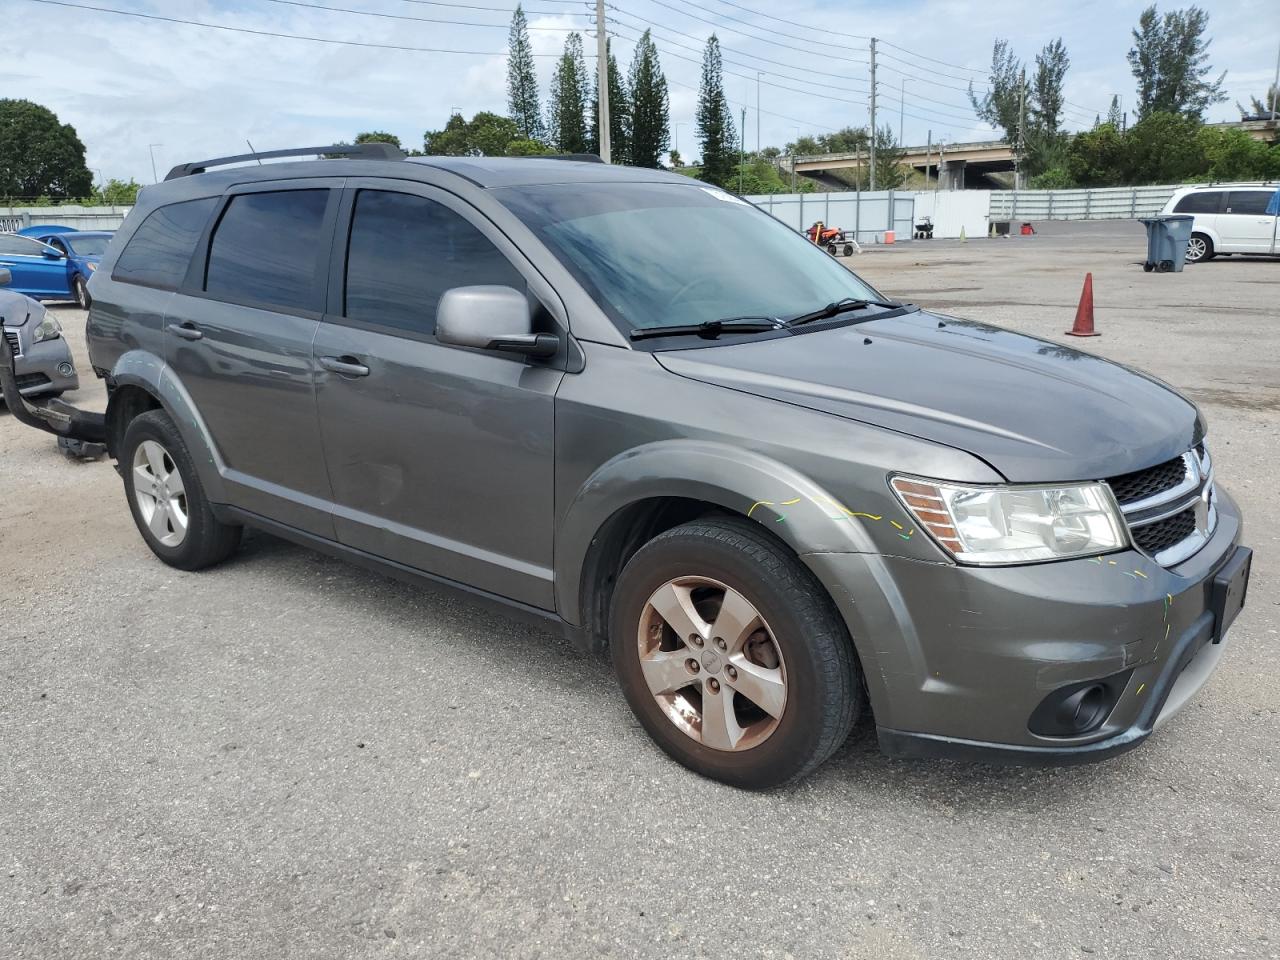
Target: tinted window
(12,246)
(406,251)
(1248,201)
(159,252)
(266,247)
(1206,201)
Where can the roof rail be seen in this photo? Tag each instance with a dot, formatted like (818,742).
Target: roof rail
(357,151)
(577,157)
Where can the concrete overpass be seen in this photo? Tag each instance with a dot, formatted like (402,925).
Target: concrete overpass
(960,165)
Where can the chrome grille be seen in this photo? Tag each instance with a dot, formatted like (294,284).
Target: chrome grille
(14,343)
(1170,508)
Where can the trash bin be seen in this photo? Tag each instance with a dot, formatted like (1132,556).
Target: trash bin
(1167,242)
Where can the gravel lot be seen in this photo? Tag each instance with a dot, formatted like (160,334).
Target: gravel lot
(291,757)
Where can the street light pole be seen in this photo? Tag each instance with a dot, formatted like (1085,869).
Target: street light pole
(902,106)
(155,177)
(742,148)
(757,111)
(602,72)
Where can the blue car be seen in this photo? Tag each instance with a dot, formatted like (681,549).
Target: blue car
(38,270)
(82,250)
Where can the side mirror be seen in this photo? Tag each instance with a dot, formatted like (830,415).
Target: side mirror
(491,318)
(52,254)
(6,277)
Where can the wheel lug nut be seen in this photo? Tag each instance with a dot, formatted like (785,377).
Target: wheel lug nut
(732,672)
(720,642)
(692,665)
(714,684)
(695,640)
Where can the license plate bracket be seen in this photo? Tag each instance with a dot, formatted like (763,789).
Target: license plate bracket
(1230,586)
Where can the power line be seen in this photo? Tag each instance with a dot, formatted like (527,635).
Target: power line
(805,50)
(805,26)
(507,10)
(921,56)
(275,34)
(407,17)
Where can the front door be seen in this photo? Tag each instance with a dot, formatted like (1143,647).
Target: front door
(238,338)
(34,273)
(441,457)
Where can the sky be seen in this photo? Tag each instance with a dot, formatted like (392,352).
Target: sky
(134,88)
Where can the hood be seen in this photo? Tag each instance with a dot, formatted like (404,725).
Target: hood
(1034,410)
(17,308)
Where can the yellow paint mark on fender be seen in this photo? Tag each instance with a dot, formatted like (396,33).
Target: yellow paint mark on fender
(759,503)
(897,524)
(787,503)
(1141,687)
(1142,575)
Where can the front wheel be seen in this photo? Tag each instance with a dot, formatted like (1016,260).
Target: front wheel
(80,289)
(1199,248)
(167,500)
(731,654)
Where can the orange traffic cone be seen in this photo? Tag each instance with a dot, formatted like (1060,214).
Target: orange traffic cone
(1083,327)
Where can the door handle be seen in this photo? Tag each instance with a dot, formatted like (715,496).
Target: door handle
(344,366)
(187,331)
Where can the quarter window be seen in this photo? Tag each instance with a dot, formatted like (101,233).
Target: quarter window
(1249,202)
(266,248)
(406,251)
(159,252)
(1205,201)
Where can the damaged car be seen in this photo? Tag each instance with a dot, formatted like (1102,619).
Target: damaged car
(42,361)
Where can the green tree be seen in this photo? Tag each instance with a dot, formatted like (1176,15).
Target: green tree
(484,135)
(1046,142)
(619,112)
(522,80)
(1114,116)
(1164,148)
(715,129)
(890,171)
(116,193)
(1096,158)
(379,136)
(649,134)
(567,116)
(1000,105)
(1170,61)
(527,148)
(804,146)
(1262,107)
(1234,155)
(39,156)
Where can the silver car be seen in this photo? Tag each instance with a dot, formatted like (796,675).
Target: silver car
(43,362)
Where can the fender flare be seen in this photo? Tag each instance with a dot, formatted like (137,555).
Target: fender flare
(139,368)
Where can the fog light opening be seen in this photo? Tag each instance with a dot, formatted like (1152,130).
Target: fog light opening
(1079,708)
(66,369)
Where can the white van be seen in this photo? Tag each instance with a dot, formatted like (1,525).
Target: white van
(1229,218)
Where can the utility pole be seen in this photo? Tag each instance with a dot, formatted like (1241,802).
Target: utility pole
(602,72)
(902,106)
(155,178)
(742,148)
(928,152)
(942,150)
(1275,83)
(757,111)
(872,177)
(1022,137)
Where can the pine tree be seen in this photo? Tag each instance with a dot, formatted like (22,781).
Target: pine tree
(1170,61)
(522,80)
(649,130)
(567,116)
(714,121)
(1113,114)
(619,113)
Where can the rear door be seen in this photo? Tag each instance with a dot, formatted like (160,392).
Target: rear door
(1204,205)
(33,273)
(238,336)
(1244,224)
(441,457)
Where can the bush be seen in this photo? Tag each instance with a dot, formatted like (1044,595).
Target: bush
(1055,178)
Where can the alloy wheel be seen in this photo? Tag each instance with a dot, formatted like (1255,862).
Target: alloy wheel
(712,663)
(160,493)
(1195,249)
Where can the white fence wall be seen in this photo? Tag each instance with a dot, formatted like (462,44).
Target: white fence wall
(81,218)
(954,210)
(868,215)
(1100,203)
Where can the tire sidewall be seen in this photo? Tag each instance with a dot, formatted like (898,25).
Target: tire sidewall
(81,292)
(789,748)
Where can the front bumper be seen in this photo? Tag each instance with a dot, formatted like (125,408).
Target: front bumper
(45,367)
(957,659)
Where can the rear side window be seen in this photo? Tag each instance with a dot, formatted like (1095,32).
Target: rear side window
(265,250)
(1207,201)
(406,251)
(160,250)
(20,247)
(1253,202)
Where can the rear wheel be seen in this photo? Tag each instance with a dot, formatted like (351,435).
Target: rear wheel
(831,249)
(732,655)
(165,496)
(1199,248)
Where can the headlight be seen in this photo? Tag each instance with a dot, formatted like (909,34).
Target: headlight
(1015,524)
(47,329)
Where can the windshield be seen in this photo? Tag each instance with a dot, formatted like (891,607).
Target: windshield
(655,254)
(87,246)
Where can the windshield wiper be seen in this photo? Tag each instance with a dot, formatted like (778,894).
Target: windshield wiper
(840,306)
(709,329)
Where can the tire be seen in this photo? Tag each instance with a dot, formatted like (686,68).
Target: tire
(848,249)
(1148,267)
(831,249)
(152,446)
(1199,248)
(794,637)
(80,290)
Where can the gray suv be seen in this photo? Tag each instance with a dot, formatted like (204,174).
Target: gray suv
(634,406)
